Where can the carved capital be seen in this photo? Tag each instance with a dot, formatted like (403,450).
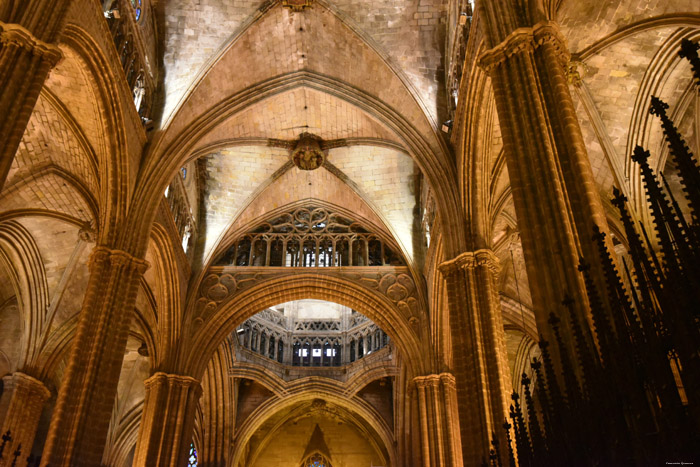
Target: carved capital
(17,35)
(102,255)
(448,380)
(470,260)
(444,379)
(427,381)
(159,378)
(525,40)
(27,385)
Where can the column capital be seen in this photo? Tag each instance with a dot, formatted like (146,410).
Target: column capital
(21,37)
(470,260)
(102,254)
(434,380)
(159,378)
(27,383)
(523,40)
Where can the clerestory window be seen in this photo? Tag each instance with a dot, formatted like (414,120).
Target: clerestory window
(310,237)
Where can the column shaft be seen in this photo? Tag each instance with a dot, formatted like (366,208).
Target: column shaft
(167,420)
(439,424)
(555,195)
(79,425)
(22,402)
(478,350)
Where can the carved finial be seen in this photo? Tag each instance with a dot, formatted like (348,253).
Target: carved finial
(640,155)
(658,107)
(618,200)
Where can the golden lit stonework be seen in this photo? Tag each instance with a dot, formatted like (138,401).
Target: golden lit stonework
(296,5)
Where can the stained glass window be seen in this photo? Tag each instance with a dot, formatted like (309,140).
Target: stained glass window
(184,173)
(192,459)
(316,460)
(137,8)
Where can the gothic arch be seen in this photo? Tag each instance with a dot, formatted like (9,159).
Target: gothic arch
(124,437)
(281,388)
(116,156)
(56,350)
(19,194)
(380,434)
(206,335)
(476,123)
(181,147)
(685,20)
(644,128)
(240,225)
(167,284)
(20,254)
(257,205)
(207,106)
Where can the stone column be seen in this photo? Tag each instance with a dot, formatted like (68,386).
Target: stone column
(27,54)
(167,420)
(21,405)
(79,425)
(478,351)
(556,197)
(439,420)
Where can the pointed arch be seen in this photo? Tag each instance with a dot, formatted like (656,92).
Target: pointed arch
(116,156)
(20,254)
(218,95)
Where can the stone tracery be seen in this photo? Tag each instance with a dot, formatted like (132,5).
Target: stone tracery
(310,237)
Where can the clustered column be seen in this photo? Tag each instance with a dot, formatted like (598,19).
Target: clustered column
(555,195)
(80,422)
(27,54)
(478,350)
(439,424)
(167,420)
(22,402)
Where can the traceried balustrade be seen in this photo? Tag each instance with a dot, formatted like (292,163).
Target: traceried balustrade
(310,237)
(311,343)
